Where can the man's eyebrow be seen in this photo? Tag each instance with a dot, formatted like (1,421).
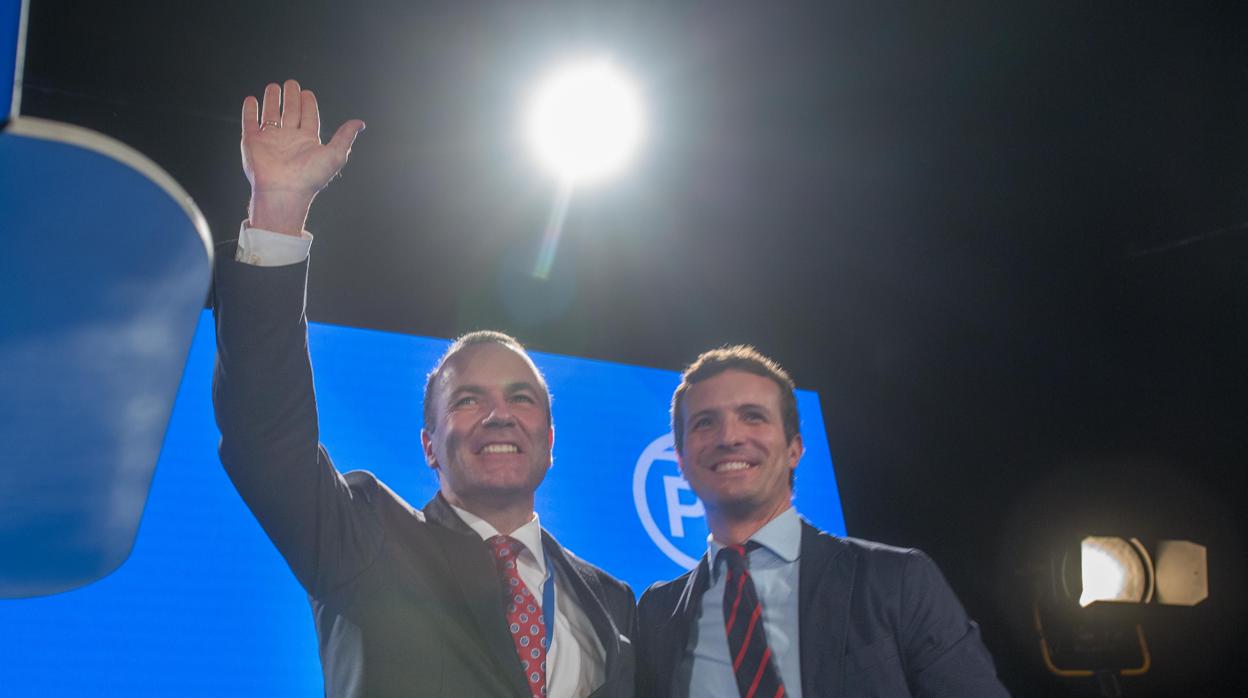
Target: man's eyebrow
(702,413)
(745,407)
(509,389)
(518,386)
(469,389)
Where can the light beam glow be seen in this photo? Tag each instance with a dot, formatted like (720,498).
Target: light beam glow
(554,227)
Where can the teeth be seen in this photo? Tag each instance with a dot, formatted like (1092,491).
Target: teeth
(500,448)
(731,466)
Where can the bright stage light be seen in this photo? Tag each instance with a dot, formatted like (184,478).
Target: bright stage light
(585,121)
(1114,570)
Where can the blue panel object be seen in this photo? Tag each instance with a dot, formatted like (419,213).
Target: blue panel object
(207,607)
(105,268)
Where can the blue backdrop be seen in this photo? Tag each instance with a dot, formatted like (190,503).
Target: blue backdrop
(206,606)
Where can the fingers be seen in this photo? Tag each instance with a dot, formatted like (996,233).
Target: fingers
(284,106)
(292,104)
(344,137)
(311,118)
(251,109)
(271,110)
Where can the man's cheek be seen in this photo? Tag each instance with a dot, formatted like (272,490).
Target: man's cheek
(451,446)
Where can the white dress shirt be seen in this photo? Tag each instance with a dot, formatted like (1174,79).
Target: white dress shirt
(573,668)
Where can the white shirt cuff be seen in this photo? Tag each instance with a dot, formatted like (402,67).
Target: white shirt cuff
(265,248)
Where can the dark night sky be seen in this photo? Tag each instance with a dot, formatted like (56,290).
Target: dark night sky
(943,217)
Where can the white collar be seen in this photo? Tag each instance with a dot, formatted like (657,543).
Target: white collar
(529,535)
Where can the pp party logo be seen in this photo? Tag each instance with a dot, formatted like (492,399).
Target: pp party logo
(671,513)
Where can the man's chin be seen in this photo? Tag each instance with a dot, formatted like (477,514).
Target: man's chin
(732,505)
(505,490)
(736,505)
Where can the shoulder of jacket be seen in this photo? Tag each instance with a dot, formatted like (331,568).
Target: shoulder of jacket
(665,593)
(378,493)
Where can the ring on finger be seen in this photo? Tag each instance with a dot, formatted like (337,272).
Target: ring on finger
(274,124)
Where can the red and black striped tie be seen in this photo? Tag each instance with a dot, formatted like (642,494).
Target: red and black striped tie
(757,676)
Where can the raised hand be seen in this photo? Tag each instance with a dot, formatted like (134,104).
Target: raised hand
(283,156)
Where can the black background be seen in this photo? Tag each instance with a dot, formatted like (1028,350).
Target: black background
(960,223)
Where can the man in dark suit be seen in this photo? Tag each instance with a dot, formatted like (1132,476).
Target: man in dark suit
(469,597)
(777,607)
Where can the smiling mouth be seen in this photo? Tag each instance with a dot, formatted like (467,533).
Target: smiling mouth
(730,466)
(500,448)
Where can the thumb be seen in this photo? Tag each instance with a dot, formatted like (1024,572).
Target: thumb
(344,137)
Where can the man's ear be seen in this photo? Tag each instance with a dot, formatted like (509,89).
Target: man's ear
(795,450)
(426,442)
(552,436)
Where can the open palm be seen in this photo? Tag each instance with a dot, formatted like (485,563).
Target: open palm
(281,144)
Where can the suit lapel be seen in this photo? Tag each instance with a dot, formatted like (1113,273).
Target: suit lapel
(584,586)
(676,628)
(825,587)
(474,575)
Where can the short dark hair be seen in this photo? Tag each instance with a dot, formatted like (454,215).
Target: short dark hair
(741,357)
(473,339)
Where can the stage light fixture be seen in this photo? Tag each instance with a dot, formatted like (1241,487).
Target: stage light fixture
(1089,619)
(585,121)
(1115,569)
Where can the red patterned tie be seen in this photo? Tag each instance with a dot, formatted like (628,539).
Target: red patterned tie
(752,662)
(524,614)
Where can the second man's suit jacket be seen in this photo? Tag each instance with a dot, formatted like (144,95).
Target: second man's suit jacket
(874,621)
(406,602)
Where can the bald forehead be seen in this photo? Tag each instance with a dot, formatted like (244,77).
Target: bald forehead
(489,364)
(489,356)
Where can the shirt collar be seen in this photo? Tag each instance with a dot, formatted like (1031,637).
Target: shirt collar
(782,536)
(529,535)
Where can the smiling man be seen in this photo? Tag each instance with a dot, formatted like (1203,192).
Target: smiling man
(467,597)
(777,607)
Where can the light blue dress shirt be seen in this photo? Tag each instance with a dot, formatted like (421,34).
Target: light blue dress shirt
(774,570)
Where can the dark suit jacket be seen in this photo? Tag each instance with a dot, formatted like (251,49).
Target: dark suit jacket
(875,621)
(406,602)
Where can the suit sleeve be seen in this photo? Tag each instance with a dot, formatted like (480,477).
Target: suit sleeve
(628,626)
(266,411)
(653,669)
(942,650)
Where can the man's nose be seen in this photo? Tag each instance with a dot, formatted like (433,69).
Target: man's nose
(730,434)
(500,415)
